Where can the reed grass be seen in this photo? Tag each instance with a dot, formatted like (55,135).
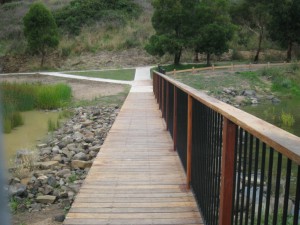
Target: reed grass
(16,97)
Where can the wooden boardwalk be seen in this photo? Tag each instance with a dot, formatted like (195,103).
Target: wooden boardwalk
(136,178)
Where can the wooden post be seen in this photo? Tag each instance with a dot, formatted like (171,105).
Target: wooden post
(167,105)
(213,67)
(159,91)
(154,84)
(174,72)
(162,97)
(189,142)
(175,118)
(227,167)
(193,70)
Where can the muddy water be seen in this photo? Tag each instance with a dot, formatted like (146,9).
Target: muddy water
(35,128)
(271,113)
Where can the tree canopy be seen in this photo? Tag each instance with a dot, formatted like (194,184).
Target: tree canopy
(172,22)
(40,30)
(285,23)
(214,29)
(201,25)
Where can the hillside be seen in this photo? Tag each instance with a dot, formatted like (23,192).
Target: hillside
(105,40)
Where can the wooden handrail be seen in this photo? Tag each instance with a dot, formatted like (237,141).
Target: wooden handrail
(236,66)
(282,141)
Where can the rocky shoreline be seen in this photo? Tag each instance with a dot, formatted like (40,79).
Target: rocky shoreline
(239,98)
(55,172)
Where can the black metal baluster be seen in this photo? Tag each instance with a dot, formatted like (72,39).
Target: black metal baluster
(244,175)
(269,186)
(255,180)
(261,186)
(239,175)
(297,200)
(287,191)
(277,188)
(249,179)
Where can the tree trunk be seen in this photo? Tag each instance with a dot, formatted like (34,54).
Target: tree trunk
(196,59)
(289,52)
(208,59)
(177,57)
(256,58)
(43,59)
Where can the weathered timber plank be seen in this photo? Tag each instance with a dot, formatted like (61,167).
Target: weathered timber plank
(136,177)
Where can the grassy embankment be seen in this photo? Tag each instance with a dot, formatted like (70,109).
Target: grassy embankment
(24,97)
(85,26)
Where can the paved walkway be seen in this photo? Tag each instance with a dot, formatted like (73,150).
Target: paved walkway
(136,178)
(142,73)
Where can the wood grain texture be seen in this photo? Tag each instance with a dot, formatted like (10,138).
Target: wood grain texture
(136,178)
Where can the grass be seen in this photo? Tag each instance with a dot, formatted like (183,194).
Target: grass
(23,97)
(171,67)
(117,99)
(122,74)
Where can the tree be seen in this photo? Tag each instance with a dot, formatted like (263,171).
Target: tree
(40,30)
(172,21)
(213,28)
(252,15)
(285,24)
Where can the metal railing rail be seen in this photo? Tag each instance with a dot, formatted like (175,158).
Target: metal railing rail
(242,169)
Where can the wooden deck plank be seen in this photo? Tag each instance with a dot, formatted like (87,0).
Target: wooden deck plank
(136,177)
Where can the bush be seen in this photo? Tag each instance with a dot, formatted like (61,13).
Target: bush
(79,13)
(40,30)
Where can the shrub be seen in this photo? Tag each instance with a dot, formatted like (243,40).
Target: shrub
(40,30)
(79,13)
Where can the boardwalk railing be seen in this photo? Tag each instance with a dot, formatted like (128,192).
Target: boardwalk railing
(241,169)
(229,67)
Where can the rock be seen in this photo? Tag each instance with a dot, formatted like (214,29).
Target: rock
(78,136)
(71,147)
(68,153)
(275,100)
(59,218)
(17,190)
(52,181)
(25,181)
(63,194)
(43,179)
(46,199)
(249,93)
(57,158)
(87,123)
(61,173)
(41,145)
(93,154)
(80,156)
(46,151)
(55,149)
(77,127)
(36,207)
(95,148)
(47,190)
(254,101)
(81,164)
(47,165)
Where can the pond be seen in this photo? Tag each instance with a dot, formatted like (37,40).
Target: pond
(25,137)
(272,113)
